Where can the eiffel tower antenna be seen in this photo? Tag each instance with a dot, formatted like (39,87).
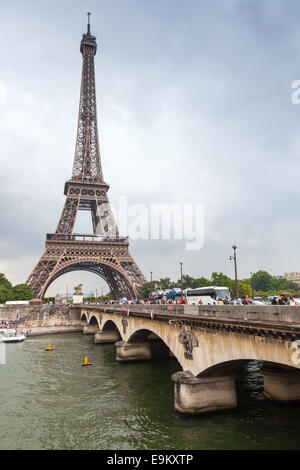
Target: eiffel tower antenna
(103,252)
(89,23)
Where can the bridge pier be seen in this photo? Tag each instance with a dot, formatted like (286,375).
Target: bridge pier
(106,336)
(196,395)
(281,385)
(127,352)
(90,329)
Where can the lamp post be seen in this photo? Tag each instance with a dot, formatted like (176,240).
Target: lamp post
(151,283)
(235,270)
(252,285)
(181,280)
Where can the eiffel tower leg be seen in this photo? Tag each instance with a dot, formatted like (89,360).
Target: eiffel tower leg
(40,274)
(133,272)
(95,218)
(103,219)
(61,258)
(68,216)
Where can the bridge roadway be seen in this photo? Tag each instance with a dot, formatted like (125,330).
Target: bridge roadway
(209,342)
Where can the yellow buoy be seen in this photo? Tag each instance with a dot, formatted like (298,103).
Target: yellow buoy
(49,348)
(86,362)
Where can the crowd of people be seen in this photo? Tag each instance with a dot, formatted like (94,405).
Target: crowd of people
(179,301)
(143,302)
(7,324)
(283,300)
(245,300)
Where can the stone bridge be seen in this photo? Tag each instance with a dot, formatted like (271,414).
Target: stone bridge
(209,343)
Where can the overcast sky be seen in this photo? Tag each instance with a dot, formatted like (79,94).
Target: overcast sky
(194,106)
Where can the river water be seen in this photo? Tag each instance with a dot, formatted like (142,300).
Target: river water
(48,401)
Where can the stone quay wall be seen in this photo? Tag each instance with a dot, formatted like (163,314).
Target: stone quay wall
(43,319)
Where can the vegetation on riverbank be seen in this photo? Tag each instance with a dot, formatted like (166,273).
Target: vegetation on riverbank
(10,292)
(262,284)
(102,298)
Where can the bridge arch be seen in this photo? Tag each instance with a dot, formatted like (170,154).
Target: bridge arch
(160,346)
(93,320)
(109,325)
(228,367)
(143,335)
(84,318)
(223,350)
(233,367)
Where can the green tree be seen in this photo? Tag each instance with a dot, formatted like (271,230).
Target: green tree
(4,282)
(5,294)
(244,289)
(165,283)
(102,298)
(22,292)
(145,289)
(188,282)
(202,282)
(246,281)
(107,297)
(192,283)
(263,281)
(221,280)
(285,285)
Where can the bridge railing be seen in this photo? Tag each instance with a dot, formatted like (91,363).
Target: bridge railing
(276,314)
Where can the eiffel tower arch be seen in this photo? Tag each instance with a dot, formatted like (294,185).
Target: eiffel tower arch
(103,252)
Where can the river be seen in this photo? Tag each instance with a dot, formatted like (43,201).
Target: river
(48,401)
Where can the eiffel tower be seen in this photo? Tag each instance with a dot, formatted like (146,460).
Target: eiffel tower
(104,252)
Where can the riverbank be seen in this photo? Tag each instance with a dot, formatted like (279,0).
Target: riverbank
(50,330)
(43,320)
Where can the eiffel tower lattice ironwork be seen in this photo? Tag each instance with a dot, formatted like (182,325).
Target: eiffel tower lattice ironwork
(104,252)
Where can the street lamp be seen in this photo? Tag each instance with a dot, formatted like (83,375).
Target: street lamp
(235,269)
(151,283)
(181,280)
(252,285)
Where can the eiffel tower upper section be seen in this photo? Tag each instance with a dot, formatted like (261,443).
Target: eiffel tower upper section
(87,190)
(87,165)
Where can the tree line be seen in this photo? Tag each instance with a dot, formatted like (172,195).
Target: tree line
(10,292)
(261,284)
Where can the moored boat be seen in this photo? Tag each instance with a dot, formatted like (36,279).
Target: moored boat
(10,335)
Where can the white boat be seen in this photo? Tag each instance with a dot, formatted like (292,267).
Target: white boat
(9,335)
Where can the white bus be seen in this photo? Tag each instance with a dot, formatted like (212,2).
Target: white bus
(208,295)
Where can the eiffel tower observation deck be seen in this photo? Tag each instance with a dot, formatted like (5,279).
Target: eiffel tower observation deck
(103,252)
